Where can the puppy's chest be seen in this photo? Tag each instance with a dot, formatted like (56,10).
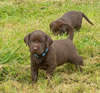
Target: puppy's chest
(43,65)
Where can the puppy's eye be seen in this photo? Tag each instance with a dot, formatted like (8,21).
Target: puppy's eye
(56,31)
(32,40)
(42,44)
(42,41)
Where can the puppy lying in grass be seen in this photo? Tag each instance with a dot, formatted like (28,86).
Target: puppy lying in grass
(73,18)
(47,54)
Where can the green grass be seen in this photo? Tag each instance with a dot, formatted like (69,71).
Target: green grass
(18,18)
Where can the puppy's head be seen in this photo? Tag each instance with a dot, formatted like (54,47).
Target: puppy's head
(38,41)
(59,27)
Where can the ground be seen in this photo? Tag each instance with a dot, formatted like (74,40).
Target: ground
(18,18)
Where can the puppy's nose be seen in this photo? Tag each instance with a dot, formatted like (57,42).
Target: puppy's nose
(35,48)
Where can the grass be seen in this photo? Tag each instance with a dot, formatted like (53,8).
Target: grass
(18,18)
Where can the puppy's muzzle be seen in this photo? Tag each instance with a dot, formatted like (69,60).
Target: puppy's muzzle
(34,49)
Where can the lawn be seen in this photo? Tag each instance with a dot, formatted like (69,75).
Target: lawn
(18,18)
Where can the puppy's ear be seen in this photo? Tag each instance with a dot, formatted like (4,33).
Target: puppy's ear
(49,41)
(69,29)
(26,39)
(66,27)
(51,26)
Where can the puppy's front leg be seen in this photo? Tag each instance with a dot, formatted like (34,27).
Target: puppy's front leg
(50,70)
(34,71)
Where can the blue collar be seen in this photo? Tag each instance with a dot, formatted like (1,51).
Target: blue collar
(42,55)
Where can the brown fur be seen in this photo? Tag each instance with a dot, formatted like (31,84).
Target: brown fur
(60,52)
(73,18)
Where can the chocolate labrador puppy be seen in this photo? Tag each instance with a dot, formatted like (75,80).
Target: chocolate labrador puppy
(73,18)
(47,54)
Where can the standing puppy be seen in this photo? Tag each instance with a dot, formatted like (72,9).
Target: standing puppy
(73,18)
(48,54)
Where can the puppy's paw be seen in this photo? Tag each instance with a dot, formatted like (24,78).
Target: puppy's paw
(33,82)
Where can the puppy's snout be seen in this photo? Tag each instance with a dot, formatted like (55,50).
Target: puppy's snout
(36,48)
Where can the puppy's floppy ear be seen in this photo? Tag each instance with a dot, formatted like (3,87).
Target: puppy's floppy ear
(69,29)
(66,27)
(49,41)
(26,39)
(52,25)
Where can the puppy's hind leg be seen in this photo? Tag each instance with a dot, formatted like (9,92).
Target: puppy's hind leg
(77,61)
(78,68)
(78,28)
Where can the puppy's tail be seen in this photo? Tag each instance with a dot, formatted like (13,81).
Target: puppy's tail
(83,15)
